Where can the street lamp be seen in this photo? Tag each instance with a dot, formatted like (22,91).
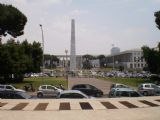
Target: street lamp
(43,53)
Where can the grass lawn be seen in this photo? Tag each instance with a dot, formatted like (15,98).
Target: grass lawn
(132,82)
(36,82)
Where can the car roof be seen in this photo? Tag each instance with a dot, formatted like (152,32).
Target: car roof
(147,84)
(71,91)
(81,84)
(47,85)
(119,84)
(123,89)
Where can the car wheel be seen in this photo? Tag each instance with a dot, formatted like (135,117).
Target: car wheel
(145,93)
(39,95)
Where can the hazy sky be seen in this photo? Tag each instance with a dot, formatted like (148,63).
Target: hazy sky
(127,24)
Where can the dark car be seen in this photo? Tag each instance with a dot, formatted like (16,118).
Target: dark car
(88,90)
(14,95)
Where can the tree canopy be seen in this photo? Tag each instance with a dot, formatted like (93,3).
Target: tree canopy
(152,57)
(157,20)
(18,58)
(53,61)
(12,21)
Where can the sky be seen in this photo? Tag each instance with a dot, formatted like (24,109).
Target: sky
(128,24)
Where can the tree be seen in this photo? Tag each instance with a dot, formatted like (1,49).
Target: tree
(12,21)
(50,61)
(157,20)
(86,61)
(152,57)
(102,61)
(18,58)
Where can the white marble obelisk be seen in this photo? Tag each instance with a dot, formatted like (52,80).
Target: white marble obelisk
(73,47)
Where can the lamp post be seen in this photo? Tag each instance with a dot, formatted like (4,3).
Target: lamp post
(42,53)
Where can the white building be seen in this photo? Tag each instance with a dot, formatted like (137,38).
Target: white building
(130,59)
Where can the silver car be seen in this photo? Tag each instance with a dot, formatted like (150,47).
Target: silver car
(9,88)
(48,91)
(72,94)
(149,89)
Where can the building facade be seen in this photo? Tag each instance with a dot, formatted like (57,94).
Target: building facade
(130,59)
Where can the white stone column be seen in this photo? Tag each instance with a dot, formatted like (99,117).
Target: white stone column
(73,47)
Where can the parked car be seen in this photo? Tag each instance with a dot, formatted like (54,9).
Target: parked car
(149,89)
(72,94)
(10,88)
(123,92)
(88,90)
(14,95)
(118,85)
(48,90)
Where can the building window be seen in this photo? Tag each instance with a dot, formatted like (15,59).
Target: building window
(142,65)
(131,65)
(138,65)
(135,65)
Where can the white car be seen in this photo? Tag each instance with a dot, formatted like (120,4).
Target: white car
(72,94)
(10,88)
(149,89)
(48,90)
(118,85)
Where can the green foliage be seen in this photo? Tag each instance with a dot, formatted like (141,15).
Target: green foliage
(102,60)
(53,61)
(132,82)
(152,58)
(155,77)
(157,20)
(19,58)
(36,82)
(12,21)
(121,68)
(87,65)
(86,61)
(88,57)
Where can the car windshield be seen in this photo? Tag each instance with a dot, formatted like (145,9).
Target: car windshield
(24,95)
(134,94)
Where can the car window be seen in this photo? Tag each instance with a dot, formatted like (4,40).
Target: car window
(124,94)
(50,87)
(92,87)
(76,95)
(24,95)
(153,86)
(9,87)
(79,86)
(1,87)
(43,87)
(67,95)
(148,86)
(134,94)
(82,86)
